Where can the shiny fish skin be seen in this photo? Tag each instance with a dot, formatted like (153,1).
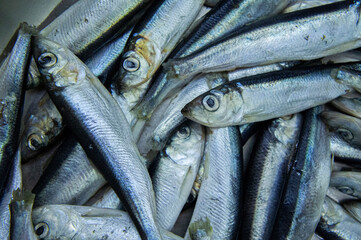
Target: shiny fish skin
(347,182)
(85,103)
(109,200)
(42,128)
(309,34)
(349,128)
(151,41)
(14,182)
(223,19)
(307,184)
(304,4)
(354,208)
(21,221)
(343,151)
(336,223)
(217,211)
(265,96)
(70,178)
(12,82)
(266,176)
(174,171)
(349,104)
(81,222)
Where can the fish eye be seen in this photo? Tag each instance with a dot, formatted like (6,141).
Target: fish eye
(346,190)
(210,103)
(47,59)
(35,141)
(42,230)
(184,132)
(345,134)
(131,64)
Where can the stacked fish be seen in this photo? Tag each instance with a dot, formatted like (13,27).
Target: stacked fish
(176,119)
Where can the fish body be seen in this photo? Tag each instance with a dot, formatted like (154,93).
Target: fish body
(217,211)
(307,183)
(309,34)
(265,96)
(267,172)
(349,104)
(101,128)
(70,178)
(13,83)
(347,182)
(354,208)
(343,151)
(109,200)
(174,171)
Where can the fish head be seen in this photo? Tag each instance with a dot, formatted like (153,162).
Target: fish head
(186,143)
(138,64)
(215,108)
(349,128)
(57,64)
(55,222)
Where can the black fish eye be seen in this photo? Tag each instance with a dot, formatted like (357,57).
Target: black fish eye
(184,132)
(34,141)
(345,133)
(42,230)
(131,64)
(210,103)
(47,59)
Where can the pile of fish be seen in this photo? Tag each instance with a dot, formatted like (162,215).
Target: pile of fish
(184,119)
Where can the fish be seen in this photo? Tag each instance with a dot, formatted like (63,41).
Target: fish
(221,20)
(278,94)
(310,34)
(348,127)
(266,176)
(84,104)
(343,151)
(217,211)
(336,223)
(304,4)
(109,200)
(14,182)
(354,208)
(151,41)
(347,182)
(307,183)
(13,81)
(42,128)
(84,222)
(21,220)
(174,171)
(349,104)
(70,177)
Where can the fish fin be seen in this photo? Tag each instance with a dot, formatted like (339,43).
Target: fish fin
(200,229)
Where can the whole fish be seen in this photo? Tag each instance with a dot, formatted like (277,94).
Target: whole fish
(264,96)
(14,182)
(348,127)
(70,178)
(354,208)
(82,222)
(174,171)
(151,41)
(343,151)
(227,16)
(336,223)
(43,127)
(217,211)
(308,180)
(347,182)
(309,34)
(21,221)
(13,82)
(349,104)
(266,176)
(101,128)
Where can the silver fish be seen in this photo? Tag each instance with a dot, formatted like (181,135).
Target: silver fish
(349,104)
(217,211)
(82,222)
(354,208)
(264,96)
(174,171)
(308,180)
(309,33)
(266,176)
(336,223)
(343,151)
(84,104)
(347,182)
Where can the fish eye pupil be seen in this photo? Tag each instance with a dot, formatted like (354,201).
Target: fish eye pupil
(131,64)
(34,142)
(47,59)
(40,230)
(210,102)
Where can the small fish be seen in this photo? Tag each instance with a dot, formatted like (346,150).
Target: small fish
(347,182)
(343,151)
(349,104)
(354,208)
